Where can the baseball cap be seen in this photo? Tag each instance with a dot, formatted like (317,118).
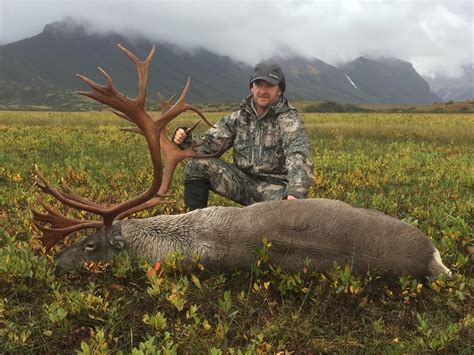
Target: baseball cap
(270,72)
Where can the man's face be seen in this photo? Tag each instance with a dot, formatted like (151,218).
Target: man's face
(264,93)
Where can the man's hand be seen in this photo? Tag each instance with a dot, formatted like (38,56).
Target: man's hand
(291,197)
(179,136)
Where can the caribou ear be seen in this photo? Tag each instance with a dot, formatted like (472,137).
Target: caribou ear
(117,241)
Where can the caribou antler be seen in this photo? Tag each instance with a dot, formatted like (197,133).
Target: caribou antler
(173,154)
(134,111)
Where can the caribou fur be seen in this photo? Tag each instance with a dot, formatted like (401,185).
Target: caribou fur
(226,238)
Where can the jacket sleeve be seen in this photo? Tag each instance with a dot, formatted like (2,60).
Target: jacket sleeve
(297,154)
(220,137)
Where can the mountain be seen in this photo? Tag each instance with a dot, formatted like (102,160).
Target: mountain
(313,79)
(391,80)
(459,88)
(47,63)
(39,72)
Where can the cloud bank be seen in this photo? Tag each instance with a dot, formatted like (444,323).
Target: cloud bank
(436,36)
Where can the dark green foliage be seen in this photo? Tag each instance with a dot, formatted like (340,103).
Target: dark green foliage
(331,106)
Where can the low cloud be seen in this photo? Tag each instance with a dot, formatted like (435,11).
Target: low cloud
(436,36)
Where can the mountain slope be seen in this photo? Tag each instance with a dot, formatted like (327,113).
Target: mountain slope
(310,78)
(391,80)
(50,60)
(459,88)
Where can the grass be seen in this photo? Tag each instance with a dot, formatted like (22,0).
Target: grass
(417,167)
(466,106)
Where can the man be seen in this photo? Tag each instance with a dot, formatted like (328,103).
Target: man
(271,151)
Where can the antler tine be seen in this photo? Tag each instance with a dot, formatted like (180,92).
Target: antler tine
(168,113)
(62,226)
(122,116)
(52,236)
(142,70)
(146,205)
(130,109)
(72,200)
(189,130)
(93,84)
(196,110)
(99,92)
(179,107)
(70,194)
(165,104)
(132,129)
(51,217)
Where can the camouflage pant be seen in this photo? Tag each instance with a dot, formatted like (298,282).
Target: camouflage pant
(228,181)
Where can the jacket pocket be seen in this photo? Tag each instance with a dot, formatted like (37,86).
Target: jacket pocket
(244,156)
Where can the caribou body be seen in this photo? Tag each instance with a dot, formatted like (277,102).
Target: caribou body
(226,238)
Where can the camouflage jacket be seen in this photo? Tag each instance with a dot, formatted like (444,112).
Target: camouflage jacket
(274,147)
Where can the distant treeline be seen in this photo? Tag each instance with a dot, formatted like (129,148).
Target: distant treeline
(332,106)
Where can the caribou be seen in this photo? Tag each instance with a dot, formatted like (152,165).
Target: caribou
(315,232)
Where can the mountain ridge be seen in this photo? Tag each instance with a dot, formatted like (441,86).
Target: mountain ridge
(459,88)
(35,69)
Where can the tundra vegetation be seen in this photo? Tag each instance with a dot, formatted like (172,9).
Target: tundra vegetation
(416,167)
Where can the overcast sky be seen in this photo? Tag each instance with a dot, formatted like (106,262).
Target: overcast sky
(436,36)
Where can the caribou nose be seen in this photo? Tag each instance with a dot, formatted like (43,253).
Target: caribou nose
(59,271)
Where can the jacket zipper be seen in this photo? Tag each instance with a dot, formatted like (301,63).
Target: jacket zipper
(259,142)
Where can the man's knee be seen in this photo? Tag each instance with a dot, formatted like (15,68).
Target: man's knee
(198,169)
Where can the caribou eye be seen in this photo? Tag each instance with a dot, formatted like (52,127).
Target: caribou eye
(90,246)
